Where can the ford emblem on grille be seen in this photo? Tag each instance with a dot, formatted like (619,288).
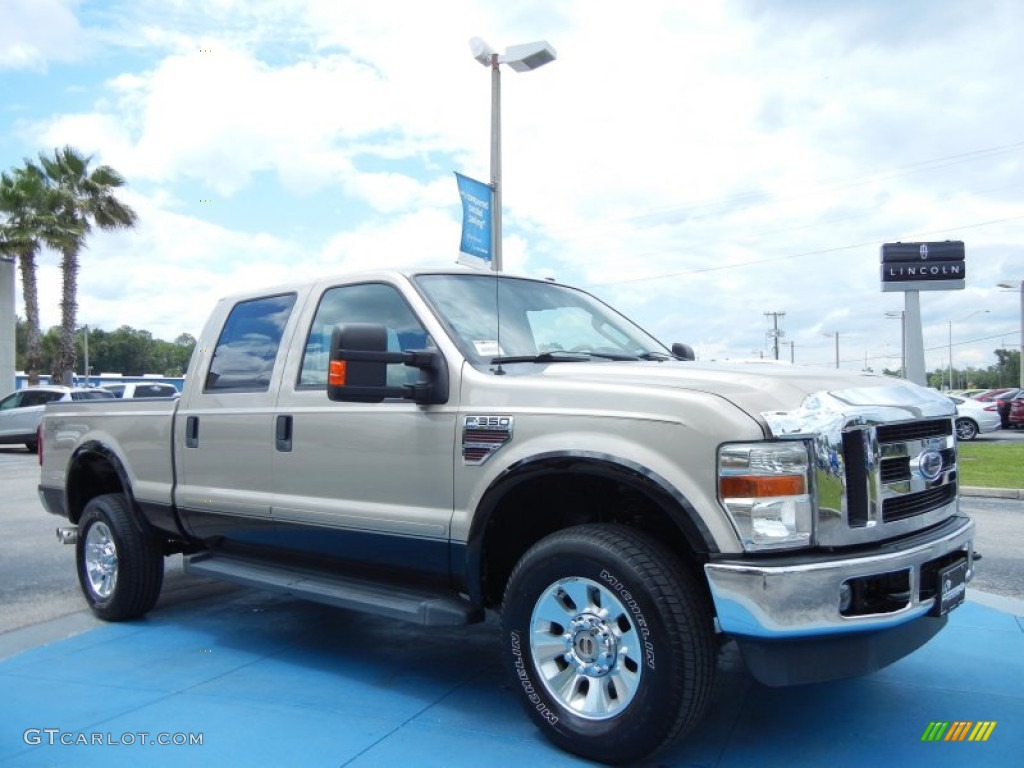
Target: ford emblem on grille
(929,464)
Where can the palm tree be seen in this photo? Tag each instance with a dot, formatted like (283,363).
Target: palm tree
(84,199)
(23,204)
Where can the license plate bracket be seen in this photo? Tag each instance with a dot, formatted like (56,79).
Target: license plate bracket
(952,586)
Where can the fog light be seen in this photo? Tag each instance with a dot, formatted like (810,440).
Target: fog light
(845,597)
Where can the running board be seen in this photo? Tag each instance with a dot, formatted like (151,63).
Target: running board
(431,609)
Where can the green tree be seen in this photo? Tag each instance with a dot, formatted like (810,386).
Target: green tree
(85,199)
(26,207)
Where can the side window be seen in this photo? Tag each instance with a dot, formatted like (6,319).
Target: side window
(11,401)
(365,303)
(39,397)
(247,348)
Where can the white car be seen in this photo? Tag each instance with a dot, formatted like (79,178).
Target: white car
(21,411)
(134,389)
(973,417)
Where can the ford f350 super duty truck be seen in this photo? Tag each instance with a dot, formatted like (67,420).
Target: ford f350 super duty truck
(431,445)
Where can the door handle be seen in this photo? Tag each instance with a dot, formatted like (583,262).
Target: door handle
(192,432)
(283,434)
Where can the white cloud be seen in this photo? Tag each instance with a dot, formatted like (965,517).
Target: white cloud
(668,141)
(36,32)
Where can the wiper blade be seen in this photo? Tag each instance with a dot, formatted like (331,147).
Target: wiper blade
(655,356)
(544,357)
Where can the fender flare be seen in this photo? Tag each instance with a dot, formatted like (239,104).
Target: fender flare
(678,508)
(107,455)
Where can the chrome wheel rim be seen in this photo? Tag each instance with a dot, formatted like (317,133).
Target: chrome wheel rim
(964,430)
(101,560)
(586,648)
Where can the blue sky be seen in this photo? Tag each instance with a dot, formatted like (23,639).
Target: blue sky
(696,164)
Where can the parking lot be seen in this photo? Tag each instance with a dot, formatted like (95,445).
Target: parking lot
(265,680)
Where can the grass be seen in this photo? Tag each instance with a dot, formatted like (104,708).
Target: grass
(1000,465)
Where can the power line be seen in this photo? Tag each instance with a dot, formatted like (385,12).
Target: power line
(818,252)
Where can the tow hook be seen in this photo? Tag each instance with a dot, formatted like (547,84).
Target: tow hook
(67,535)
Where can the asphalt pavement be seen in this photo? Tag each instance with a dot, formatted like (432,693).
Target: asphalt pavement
(242,677)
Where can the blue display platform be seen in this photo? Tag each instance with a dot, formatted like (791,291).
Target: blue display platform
(265,680)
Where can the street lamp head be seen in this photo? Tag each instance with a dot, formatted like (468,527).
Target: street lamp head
(481,51)
(523,58)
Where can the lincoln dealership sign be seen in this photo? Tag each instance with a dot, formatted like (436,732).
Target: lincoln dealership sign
(923,266)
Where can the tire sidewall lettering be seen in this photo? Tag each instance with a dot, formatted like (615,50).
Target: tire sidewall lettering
(633,606)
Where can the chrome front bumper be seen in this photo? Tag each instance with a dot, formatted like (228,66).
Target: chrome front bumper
(772,599)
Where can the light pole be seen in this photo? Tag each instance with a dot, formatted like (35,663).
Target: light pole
(7,325)
(1020,362)
(902,315)
(836,334)
(976,312)
(522,58)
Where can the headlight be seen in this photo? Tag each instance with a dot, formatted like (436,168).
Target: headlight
(766,489)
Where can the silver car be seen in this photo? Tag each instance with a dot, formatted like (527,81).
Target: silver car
(973,417)
(21,411)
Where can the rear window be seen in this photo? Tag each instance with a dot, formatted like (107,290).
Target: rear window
(93,394)
(155,390)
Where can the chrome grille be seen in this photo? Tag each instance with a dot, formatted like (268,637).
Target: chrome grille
(896,478)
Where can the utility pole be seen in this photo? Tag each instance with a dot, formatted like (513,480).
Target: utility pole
(775,333)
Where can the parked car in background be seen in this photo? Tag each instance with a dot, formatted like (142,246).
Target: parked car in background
(970,392)
(135,389)
(974,418)
(1015,412)
(990,395)
(1002,402)
(21,411)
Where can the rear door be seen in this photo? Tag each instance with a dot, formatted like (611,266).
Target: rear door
(224,428)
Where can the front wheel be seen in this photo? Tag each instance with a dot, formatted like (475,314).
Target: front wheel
(966,429)
(609,643)
(120,569)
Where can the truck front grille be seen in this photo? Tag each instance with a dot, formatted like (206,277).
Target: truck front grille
(895,479)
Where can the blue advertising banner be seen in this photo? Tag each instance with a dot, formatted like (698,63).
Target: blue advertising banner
(475,248)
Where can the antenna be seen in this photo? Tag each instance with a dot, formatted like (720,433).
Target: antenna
(499,371)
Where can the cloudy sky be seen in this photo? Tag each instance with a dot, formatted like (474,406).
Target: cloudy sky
(696,164)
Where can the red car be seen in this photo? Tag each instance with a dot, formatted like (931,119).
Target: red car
(993,394)
(1015,415)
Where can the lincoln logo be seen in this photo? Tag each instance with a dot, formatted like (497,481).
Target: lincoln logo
(929,465)
(924,251)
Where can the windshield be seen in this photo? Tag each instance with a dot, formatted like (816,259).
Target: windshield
(494,318)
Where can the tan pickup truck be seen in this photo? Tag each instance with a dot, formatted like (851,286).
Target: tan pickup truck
(430,445)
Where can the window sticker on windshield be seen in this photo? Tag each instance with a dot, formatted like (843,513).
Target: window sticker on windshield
(487,347)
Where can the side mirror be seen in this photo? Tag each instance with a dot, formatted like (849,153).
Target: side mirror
(683,351)
(358,368)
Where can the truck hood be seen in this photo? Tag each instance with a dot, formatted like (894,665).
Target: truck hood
(786,399)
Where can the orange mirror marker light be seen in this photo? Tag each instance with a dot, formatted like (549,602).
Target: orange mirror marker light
(753,486)
(336,373)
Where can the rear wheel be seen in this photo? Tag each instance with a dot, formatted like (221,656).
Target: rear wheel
(120,569)
(608,641)
(966,429)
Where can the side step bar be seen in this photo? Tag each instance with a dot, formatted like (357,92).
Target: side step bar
(428,608)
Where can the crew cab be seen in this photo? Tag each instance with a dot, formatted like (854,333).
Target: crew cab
(432,445)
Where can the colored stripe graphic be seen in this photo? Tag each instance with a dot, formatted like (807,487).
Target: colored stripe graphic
(958,730)
(982,731)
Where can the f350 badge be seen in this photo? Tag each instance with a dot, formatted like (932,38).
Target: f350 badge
(482,436)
